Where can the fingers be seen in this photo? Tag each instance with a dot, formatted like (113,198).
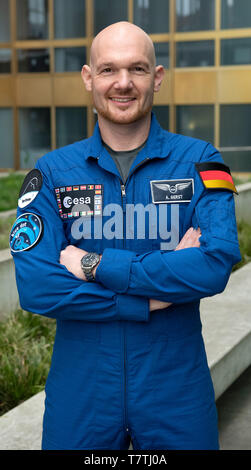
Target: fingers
(190,239)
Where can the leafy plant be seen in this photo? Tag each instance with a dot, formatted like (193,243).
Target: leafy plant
(26,342)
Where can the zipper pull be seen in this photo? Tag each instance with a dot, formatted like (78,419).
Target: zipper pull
(122,186)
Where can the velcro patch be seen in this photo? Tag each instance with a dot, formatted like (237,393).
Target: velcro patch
(79,200)
(26,232)
(216,175)
(30,188)
(171,191)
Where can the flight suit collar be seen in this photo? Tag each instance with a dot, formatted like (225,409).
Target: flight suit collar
(157,145)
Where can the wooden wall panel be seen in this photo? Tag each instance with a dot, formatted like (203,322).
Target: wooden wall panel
(234,86)
(195,87)
(70,91)
(7,91)
(33,91)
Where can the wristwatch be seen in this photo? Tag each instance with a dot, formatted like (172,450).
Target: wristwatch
(88,262)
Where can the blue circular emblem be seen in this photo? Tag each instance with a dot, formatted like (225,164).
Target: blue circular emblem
(25,232)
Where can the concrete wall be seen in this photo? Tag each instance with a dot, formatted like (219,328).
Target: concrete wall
(8,291)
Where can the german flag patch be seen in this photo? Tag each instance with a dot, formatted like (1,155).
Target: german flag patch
(215,175)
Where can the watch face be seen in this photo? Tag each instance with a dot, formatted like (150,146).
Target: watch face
(90,260)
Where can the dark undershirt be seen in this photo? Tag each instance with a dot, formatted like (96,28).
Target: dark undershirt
(123,159)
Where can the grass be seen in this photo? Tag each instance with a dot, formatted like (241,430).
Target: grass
(5,227)
(9,189)
(26,342)
(244,235)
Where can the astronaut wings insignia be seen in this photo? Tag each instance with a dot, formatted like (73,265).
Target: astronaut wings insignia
(165,191)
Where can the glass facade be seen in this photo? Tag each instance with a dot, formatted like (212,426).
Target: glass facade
(45,43)
(152,15)
(162,53)
(33,60)
(236,51)
(5,60)
(69,19)
(32,19)
(235,125)
(109,12)
(235,14)
(71,125)
(162,114)
(6,138)
(196,15)
(69,59)
(34,135)
(196,121)
(195,54)
(4,21)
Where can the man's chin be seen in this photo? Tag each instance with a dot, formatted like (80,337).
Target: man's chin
(124,118)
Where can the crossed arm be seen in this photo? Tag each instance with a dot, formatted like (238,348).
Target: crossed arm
(71,256)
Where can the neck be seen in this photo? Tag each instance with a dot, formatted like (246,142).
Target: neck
(121,137)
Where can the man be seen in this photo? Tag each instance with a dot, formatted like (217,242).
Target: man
(129,362)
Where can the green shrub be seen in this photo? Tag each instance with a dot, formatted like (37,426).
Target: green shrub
(244,235)
(9,189)
(26,342)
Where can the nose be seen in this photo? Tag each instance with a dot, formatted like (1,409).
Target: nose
(124,81)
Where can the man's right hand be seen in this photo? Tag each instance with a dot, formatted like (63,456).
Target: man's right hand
(190,240)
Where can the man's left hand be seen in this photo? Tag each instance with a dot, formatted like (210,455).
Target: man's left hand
(71,257)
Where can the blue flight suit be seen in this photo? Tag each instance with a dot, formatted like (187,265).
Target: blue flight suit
(119,372)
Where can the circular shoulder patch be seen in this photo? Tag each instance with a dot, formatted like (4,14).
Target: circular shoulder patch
(30,188)
(26,232)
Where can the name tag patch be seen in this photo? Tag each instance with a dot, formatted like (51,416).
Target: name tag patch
(26,232)
(79,200)
(171,191)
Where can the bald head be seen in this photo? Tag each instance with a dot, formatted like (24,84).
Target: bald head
(120,35)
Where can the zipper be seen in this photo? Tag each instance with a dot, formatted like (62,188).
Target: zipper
(123,201)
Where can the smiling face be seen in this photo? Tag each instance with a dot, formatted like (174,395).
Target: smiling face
(122,75)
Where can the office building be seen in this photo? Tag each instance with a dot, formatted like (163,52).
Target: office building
(205,46)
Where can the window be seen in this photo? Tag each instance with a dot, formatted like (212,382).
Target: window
(152,15)
(162,53)
(108,12)
(6,138)
(34,134)
(33,60)
(4,21)
(196,121)
(235,14)
(32,19)
(195,54)
(71,124)
(235,125)
(195,15)
(69,19)
(69,59)
(162,115)
(5,60)
(238,160)
(236,51)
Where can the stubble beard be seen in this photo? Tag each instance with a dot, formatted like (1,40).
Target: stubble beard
(123,117)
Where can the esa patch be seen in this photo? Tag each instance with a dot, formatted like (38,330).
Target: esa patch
(216,175)
(171,191)
(30,188)
(26,232)
(79,200)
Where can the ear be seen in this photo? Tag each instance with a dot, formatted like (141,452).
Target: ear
(87,77)
(158,77)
